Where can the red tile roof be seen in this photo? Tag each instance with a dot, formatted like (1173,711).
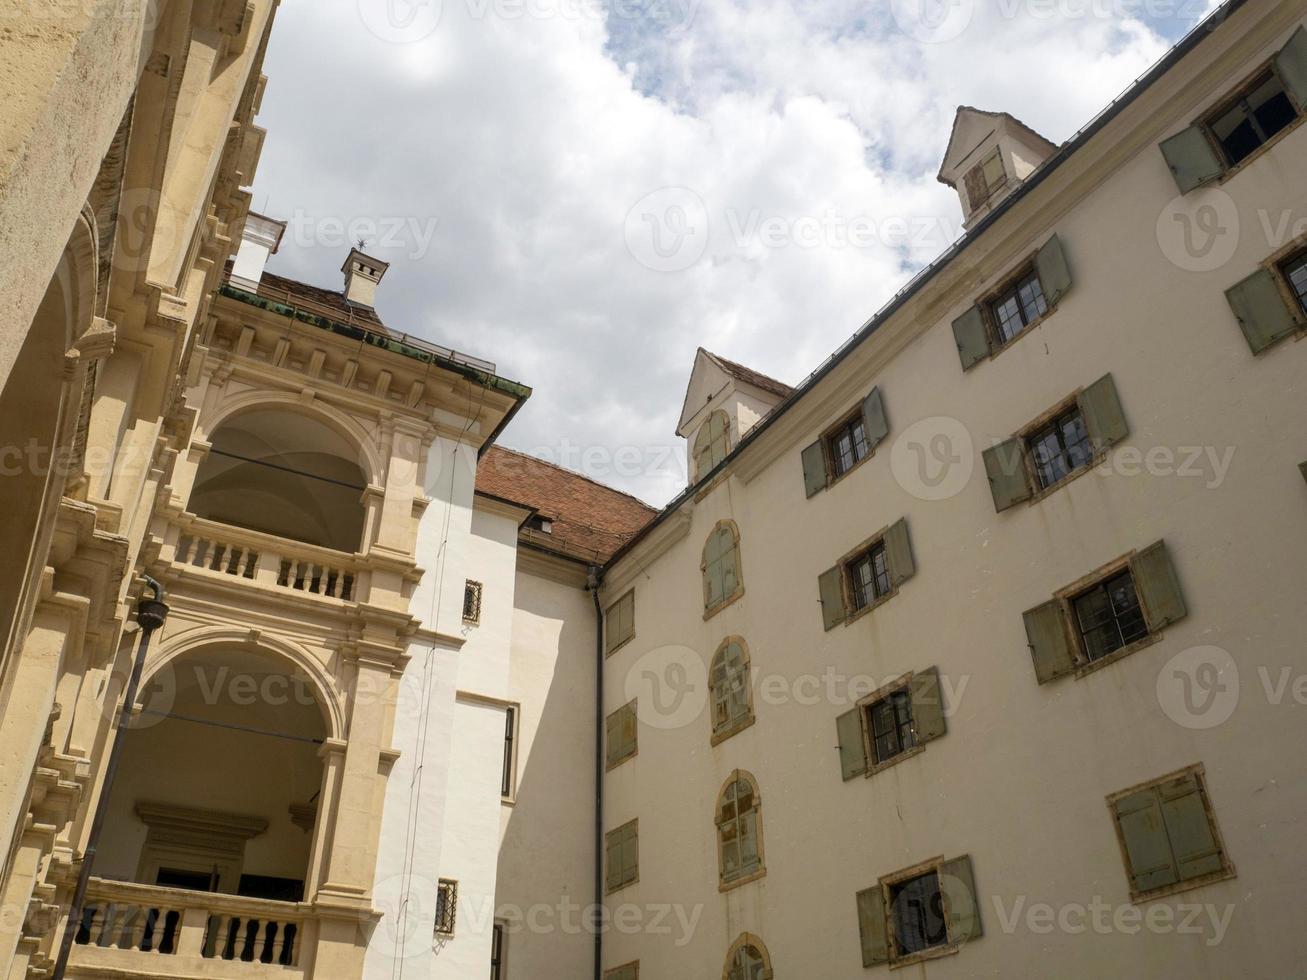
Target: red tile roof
(749,376)
(590,521)
(275,286)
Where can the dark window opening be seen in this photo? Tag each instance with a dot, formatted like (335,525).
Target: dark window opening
(196,881)
(918,913)
(891,726)
(1060,448)
(848,446)
(1259,113)
(497,952)
(510,732)
(1018,307)
(269,887)
(1108,616)
(869,576)
(472,602)
(446,906)
(1295,271)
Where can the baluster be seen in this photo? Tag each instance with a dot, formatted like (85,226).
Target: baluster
(251,562)
(268,943)
(88,930)
(347,593)
(230,945)
(218,553)
(184,545)
(170,931)
(283,573)
(134,928)
(233,560)
(277,952)
(251,939)
(201,552)
(333,580)
(315,584)
(289,948)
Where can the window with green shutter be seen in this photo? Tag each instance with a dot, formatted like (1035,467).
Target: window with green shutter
(919,913)
(627,971)
(721,567)
(730,689)
(619,622)
(846,444)
(1168,835)
(739,830)
(891,724)
(866,576)
(621,735)
(1260,307)
(623,855)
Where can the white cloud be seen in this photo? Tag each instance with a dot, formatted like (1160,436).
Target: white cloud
(520,145)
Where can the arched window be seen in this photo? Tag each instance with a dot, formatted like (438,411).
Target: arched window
(732,702)
(721,566)
(747,960)
(739,830)
(711,443)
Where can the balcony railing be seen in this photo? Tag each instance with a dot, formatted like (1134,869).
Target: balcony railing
(262,558)
(125,926)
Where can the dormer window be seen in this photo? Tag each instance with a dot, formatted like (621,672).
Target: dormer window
(712,443)
(985,179)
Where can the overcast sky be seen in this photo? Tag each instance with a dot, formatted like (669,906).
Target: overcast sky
(585,192)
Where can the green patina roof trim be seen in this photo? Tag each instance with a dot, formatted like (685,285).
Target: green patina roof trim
(484,378)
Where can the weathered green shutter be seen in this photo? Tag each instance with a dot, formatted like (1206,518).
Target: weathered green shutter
(1192,159)
(898,552)
(927,705)
(631,853)
(874,422)
(814,468)
(872,926)
(853,754)
(612,727)
(1291,64)
(830,586)
(614,849)
(1157,585)
(971,336)
(622,733)
(958,883)
(730,567)
(1260,307)
(1148,851)
(1054,272)
(1193,845)
(1050,647)
(1009,482)
(1100,407)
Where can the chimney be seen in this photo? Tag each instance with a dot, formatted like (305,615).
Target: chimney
(261,238)
(362,273)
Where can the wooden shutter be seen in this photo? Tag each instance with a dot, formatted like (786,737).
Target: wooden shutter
(1192,159)
(927,705)
(614,848)
(898,552)
(622,733)
(872,926)
(1291,64)
(853,752)
(1100,407)
(1050,647)
(958,883)
(1260,307)
(1143,833)
(874,421)
(1157,586)
(830,586)
(1189,828)
(1054,273)
(971,336)
(814,468)
(730,566)
(977,186)
(1009,482)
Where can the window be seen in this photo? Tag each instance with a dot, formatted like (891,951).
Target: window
(1114,611)
(1060,448)
(1295,273)
(508,783)
(630,971)
(891,724)
(1255,115)
(446,906)
(1108,616)
(739,831)
(747,960)
(721,567)
(867,575)
(985,179)
(498,952)
(728,679)
(711,443)
(619,622)
(919,913)
(621,732)
(1020,305)
(472,602)
(623,848)
(1168,835)
(845,445)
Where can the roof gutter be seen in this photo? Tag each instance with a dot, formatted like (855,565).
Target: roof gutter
(919,282)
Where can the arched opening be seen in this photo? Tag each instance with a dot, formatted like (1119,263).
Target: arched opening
(284,473)
(729,685)
(747,960)
(721,566)
(712,443)
(739,830)
(220,776)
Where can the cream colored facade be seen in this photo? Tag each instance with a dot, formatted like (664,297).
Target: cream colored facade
(1020,780)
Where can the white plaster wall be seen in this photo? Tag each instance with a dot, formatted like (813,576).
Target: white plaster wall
(1019,781)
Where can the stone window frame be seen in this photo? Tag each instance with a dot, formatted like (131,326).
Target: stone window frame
(743,941)
(727,599)
(472,595)
(723,883)
(737,725)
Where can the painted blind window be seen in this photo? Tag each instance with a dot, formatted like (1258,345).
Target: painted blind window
(721,566)
(711,443)
(729,680)
(623,847)
(739,848)
(619,622)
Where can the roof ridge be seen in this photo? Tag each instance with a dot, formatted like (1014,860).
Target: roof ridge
(574,473)
(724,361)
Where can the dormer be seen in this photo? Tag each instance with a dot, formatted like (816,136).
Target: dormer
(723,401)
(989,155)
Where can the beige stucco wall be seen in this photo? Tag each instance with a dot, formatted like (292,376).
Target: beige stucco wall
(1019,781)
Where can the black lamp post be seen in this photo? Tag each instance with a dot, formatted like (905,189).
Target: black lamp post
(150,615)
